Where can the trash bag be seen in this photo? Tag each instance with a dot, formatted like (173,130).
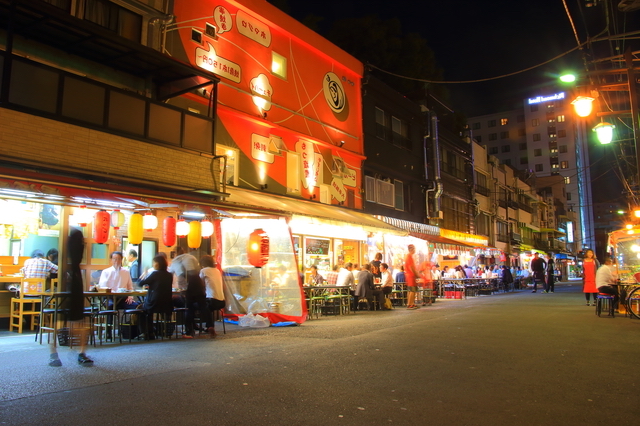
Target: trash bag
(251,320)
(260,322)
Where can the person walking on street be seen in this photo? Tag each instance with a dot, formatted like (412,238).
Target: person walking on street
(411,274)
(538,267)
(589,267)
(549,283)
(73,311)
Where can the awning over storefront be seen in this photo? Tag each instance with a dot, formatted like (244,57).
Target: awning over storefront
(324,214)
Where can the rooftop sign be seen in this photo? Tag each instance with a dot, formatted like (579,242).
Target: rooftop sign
(541,99)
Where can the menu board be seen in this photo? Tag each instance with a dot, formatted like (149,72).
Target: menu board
(317,246)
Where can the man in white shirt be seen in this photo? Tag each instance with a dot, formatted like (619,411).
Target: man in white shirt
(346,279)
(606,276)
(386,280)
(115,278)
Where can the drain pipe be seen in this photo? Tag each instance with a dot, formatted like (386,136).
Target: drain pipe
(425,139)
(436,153)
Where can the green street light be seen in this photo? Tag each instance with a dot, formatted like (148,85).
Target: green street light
(604,131)
(567,78)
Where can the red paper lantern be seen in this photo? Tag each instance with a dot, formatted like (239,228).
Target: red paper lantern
(101,223)
(169,231)
(258,248)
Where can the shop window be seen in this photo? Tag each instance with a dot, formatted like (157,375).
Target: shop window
(370,189)
(384,193)
(74,101)
(279,65)
(196,36)
(28,80)
(399,194)
(114,18)
(231,166)
(62,4)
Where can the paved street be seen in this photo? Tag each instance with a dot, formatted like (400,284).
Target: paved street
(507,359)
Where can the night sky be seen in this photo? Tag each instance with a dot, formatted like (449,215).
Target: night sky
(475,40)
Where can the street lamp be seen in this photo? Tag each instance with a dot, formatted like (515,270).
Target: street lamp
(583,105)
(604,131)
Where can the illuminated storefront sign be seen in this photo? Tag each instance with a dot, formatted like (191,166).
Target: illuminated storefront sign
(311,163)
(262,91)
(260,148)
(541,99)
(461,236)
(569,232)
(208,60)
(250,27)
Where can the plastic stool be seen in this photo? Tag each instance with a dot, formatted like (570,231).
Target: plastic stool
(606,301)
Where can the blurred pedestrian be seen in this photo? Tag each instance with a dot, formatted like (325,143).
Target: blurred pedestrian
(411,275)
(74,308)
(538,268)
(590,265)
(549,284)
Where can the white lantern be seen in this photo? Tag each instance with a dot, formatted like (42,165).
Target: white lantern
(206,229)
(182,228)
(149,222)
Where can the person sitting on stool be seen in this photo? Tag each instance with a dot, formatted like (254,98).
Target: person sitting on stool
(606,278)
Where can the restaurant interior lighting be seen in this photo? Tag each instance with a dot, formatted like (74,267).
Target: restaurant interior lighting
(195,214)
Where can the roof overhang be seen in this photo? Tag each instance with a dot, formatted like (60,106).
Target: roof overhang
(51,26)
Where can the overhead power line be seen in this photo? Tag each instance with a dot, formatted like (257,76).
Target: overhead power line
(479,80)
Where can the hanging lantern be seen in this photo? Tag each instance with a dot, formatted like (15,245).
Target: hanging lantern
(195,234)
(182,228)
(82,216)
(135,229)
(207,228)
(117,219)
(101,222)
(258,248)
(169,231)
(149,222)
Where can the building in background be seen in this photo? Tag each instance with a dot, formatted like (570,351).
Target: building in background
(545,138)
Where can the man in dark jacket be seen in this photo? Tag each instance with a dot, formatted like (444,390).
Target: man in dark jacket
(366,287)
(538,267)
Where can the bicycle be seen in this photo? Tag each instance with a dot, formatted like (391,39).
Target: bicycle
(633,302)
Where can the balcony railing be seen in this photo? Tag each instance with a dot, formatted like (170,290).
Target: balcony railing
(482,190)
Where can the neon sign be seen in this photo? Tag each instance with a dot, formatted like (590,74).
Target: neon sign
(541,99)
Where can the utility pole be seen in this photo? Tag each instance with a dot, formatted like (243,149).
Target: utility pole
(633,97)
